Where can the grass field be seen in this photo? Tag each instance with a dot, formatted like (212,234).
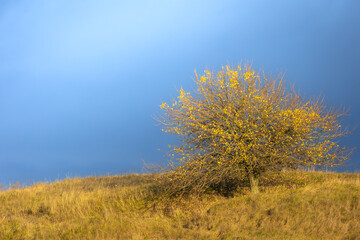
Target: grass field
(299,205)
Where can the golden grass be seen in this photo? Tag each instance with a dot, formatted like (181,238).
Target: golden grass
(296,205)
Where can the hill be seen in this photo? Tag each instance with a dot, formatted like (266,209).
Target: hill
(301,205)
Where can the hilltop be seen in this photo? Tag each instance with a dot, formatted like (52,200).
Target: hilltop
(301,205)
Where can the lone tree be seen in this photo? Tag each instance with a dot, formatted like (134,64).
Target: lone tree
(239,121)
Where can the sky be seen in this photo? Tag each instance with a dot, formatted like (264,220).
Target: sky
(81,81)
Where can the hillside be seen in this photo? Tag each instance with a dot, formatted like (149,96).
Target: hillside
(301,205)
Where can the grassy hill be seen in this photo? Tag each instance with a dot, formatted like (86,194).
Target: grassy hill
(301,205)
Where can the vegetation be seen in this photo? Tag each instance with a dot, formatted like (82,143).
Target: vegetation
(240,134)
(239,124)
(292,205)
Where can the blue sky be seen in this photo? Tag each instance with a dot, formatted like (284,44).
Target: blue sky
(80,81)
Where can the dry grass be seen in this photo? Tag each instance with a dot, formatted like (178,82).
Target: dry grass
(296,205)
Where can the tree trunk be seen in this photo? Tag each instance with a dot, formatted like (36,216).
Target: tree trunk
(254,183)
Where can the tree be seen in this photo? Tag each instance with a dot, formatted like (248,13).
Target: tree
(239,121)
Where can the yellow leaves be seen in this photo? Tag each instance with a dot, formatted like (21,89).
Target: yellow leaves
(233,82)
(163,105)
(182,93)
(231,72)
(248,75)
(183,100)
(232,78)
(202,79)
(221,81)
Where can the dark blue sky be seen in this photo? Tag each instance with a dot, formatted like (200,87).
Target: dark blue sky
(80,81)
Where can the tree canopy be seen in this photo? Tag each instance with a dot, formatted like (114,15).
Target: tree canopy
(240,121)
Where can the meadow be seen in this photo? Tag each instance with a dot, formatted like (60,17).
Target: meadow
(293,205)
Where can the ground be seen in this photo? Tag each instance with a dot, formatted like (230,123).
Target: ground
(292,205)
